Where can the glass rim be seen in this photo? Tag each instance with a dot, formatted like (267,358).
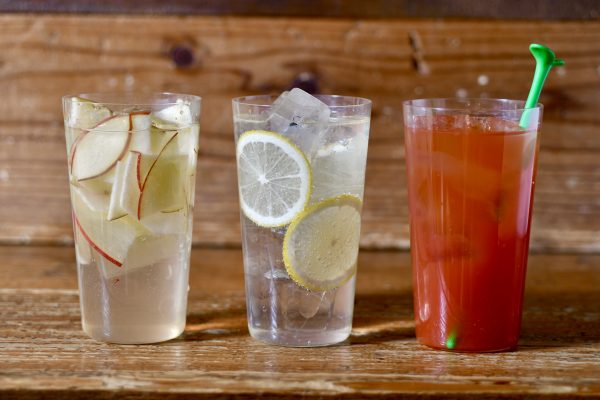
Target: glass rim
(132,95)
(467,100)
(245,100)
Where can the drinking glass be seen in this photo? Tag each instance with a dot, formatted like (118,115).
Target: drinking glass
(301,166)
(471,167)
(132,168)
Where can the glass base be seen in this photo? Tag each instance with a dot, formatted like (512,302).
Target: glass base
(134,335)
(299,338)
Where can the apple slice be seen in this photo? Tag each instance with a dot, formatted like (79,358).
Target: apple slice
(81,115)
(143,252)
(192,142)
(83,250)
(98,150)
(97,202)
(100,186)
(188,140)
(111,239)
(163,192)
(140,135)
(162,188)
(72,150)
(129,196)
(150,144)
(85,114)
(140,120)
(114,208)
(167,223)
(148,251)
(189,191)
(126,189)
(175,116)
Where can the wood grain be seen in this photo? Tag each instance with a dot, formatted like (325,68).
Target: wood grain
(44,57)
(45,354)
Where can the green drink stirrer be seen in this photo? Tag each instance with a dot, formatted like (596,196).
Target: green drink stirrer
(544,61)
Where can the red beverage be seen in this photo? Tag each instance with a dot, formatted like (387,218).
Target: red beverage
(470,185)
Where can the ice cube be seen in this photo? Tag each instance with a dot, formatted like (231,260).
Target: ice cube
(254,251)
(297,305)
(176,116)
(309,303)
(339,168)
(263,253)
(274,260)
(301,117)
(85,114)
(259,299)
(282,292)
(280,99)
(277,273)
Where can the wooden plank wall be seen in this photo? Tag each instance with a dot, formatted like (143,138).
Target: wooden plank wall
(489,9)
(43,57)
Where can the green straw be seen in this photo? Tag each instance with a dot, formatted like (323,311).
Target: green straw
(545,60)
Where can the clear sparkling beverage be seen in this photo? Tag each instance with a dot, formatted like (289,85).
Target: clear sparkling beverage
(132,168)
(298,292)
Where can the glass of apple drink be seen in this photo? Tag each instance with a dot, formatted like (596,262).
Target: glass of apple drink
(132,168)
(301,167)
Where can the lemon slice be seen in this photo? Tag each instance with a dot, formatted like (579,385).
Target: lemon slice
(274,177)
(320,247)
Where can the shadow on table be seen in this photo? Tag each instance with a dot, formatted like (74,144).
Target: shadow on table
(550,319)
(378,318)
(383,317)
(560,319)
(218,324)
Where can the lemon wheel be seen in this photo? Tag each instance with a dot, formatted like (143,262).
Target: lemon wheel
(320,248)
(274,177)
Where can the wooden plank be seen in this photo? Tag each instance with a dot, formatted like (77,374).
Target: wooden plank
(45,57)
(45,353)
(512,9)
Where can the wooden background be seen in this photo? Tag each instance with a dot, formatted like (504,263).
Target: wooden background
(43,57)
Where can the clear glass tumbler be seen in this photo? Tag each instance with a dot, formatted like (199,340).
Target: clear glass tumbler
(471,174)
(301,166)
(132,168)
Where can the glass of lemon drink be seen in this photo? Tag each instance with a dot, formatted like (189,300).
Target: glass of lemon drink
(132,168)
(301,166)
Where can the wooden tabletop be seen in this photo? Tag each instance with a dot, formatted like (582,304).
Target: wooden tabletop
(44,353)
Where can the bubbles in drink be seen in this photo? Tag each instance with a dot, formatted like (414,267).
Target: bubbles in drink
(287,304)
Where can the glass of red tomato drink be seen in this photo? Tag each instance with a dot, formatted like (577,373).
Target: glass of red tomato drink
(471,166)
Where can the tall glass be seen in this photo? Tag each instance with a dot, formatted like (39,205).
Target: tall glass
(132,168)
(471,175)
(309,165)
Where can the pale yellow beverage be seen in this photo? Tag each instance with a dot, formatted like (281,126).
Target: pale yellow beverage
(132,169)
